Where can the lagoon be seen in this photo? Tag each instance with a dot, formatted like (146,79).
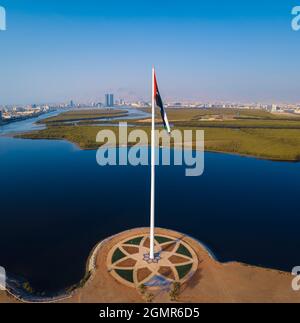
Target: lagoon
(57,203)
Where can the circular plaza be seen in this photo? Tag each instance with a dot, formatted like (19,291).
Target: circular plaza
(130,264)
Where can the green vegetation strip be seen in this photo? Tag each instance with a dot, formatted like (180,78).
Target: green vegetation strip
(271,137)
(82,115)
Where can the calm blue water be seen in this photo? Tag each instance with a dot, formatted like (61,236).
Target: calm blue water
(57,203)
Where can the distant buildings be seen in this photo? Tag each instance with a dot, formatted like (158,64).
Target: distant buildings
(97,105)
(140,104)
(14,113)
(109,100)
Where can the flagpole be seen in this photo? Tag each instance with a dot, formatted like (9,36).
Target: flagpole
(152,207)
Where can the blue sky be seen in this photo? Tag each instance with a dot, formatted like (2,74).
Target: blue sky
(55,50)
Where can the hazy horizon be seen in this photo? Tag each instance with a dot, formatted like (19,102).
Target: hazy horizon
(226,51)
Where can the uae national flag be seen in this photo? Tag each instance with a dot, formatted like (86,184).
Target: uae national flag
(159,103)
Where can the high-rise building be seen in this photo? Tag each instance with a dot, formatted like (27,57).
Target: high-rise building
(109,100)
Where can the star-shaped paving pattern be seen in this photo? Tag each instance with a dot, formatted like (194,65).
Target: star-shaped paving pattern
(129,261)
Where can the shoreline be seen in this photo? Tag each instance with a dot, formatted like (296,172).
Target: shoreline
(280,160)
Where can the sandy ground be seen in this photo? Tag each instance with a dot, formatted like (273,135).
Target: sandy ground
(5,298)
(212,282)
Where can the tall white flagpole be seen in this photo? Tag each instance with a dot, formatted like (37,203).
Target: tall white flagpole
(152,208)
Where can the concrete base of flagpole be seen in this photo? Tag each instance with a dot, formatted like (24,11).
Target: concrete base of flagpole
(129,261)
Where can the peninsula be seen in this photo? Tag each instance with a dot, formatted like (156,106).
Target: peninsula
(114,274)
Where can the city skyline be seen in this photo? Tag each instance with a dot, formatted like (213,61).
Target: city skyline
(225,51)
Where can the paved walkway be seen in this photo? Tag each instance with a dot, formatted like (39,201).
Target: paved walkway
(175,261)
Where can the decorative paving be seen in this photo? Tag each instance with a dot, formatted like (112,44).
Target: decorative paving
(130,264)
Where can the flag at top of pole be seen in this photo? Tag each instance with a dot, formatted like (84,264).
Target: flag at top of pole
(156,101)
(160,104)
